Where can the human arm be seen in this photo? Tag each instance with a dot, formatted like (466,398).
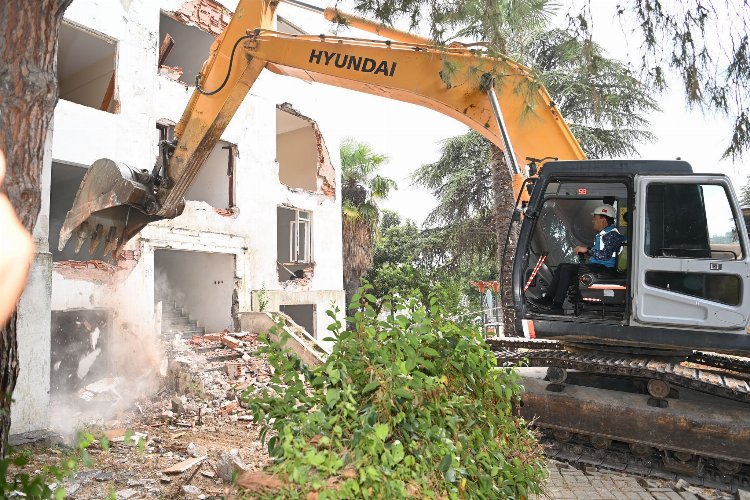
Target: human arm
(16,254)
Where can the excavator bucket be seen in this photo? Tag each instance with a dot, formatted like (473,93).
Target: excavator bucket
(111,206)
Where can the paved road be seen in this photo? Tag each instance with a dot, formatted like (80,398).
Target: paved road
(568,483)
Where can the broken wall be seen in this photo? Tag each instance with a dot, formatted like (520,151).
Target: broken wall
(125,288)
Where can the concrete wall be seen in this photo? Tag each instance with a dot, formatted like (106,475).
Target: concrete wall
(86,62)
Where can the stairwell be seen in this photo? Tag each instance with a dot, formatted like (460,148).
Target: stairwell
(176,320)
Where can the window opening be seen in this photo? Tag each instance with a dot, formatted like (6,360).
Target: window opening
(723,288)
(79,350)
(302,314)
(299,235)
(213,184)
(182,50)
(64,185)
(294,243)
(296,151)
(86,68)
(691,221)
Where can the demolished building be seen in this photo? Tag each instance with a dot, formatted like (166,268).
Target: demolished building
(261,230)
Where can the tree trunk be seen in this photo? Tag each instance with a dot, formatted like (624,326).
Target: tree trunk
(357,254)
(502,187)
(28,94)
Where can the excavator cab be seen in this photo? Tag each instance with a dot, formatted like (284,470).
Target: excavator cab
(682,279)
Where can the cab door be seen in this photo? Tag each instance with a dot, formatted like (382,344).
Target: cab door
(690,254)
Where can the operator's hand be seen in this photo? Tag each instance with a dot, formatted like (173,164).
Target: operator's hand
(16,253)
(580,249)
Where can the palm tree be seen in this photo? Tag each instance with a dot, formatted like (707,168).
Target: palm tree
(362,187)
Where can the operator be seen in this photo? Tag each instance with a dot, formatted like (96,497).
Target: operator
(16,254)
(602,258)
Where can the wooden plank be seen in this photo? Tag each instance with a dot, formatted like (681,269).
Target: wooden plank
(109,94)
(166,48)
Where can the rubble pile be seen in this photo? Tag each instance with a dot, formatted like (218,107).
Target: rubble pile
(192,439)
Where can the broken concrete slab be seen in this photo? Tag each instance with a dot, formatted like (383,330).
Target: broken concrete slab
(231,342)
(181,467)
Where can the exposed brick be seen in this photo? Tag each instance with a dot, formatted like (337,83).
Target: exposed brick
(207,15)
(233,369)
(230,342)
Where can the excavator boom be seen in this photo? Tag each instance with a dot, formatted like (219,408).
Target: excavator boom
(457,81)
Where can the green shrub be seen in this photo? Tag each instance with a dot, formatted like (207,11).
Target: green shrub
(46,483)
(410,405)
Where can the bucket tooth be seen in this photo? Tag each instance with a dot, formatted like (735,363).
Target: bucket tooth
(112,240)
(82,234)
(96,239)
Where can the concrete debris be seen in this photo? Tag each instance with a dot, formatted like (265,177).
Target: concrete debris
(231,342)
(171,72)
(207,15)
(231,212)
(126,493)
(189,489)
(98,271)
(230,464)
(233,369)
(104,476)
(178,404)
(196,451)
(105,389)
(181,467)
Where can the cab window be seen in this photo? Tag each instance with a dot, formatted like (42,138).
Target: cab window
(691,221)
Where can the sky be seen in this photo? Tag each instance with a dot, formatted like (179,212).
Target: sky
(411,135)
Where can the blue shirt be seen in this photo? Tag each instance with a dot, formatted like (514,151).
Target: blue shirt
(607,244)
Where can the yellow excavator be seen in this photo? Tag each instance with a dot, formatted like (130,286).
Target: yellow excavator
(647,361)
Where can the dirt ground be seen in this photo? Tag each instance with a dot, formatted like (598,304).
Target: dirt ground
(194,422)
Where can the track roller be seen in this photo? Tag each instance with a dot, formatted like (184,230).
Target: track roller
(600,442)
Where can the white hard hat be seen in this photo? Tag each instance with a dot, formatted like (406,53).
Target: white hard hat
(607,210)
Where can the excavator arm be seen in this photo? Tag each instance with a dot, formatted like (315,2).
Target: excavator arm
(494,96)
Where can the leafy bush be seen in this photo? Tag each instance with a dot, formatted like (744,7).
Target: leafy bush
(16,483)
(408,405)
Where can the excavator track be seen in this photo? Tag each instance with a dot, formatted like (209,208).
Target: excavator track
(695,424)
(735,386)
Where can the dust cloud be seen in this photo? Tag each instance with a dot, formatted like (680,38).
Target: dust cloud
(105,359)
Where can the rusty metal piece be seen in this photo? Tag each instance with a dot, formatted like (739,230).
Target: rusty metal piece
(728,468)
(691,466)
(641,450)
(112,195)
(683,456)
(562,435)
(82,234)
(658,388)
(556,375)
(112,240)
(96,239)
